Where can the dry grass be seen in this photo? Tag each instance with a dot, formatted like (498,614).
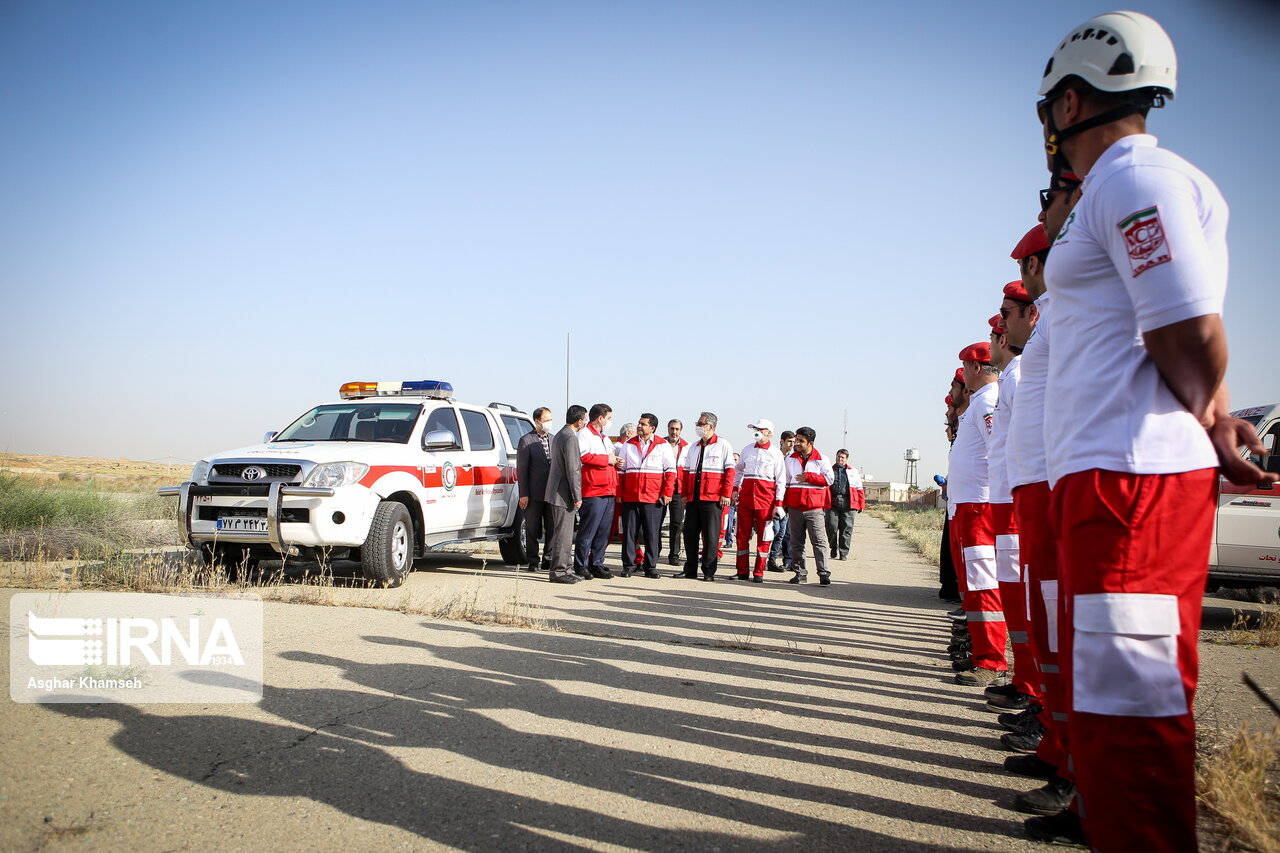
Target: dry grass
(169,571)
(920,527)
(1239,792)
(1256,630)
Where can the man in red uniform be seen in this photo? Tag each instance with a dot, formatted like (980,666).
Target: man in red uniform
(707,486)
(648,481)
(968,488)
(760,479)
(1138,276)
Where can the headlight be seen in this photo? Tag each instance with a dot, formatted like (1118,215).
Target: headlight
(200,473)
(331,475)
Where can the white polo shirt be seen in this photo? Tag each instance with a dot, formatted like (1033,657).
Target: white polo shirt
(1024,449)
(997,461)
(1145,247)
(967,477)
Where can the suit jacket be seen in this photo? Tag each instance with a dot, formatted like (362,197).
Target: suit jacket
(533,464)
(564,480)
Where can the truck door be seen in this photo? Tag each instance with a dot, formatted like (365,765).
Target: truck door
(1248,536)
(481,471)
(517,428)
(446,498)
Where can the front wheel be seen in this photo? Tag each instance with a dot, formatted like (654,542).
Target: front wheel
(387,554)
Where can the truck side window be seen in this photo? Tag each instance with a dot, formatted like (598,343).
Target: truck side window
(516,428)
(443,418)
(478,431)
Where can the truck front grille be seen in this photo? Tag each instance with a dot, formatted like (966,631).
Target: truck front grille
(274,471)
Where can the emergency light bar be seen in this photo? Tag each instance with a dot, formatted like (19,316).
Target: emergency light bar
(434,389)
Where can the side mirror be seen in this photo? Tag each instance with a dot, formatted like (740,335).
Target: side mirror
(270,435)
(440,439)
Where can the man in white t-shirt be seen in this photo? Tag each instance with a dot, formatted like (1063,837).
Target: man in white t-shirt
(969,491)
(1137,406)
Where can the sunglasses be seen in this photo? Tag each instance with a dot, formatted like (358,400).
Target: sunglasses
(1047,194)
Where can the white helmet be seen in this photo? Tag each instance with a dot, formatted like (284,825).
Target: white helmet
(1116,52)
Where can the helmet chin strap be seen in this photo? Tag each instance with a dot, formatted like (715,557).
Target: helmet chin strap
(1053,143)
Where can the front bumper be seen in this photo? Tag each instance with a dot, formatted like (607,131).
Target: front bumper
(197,533)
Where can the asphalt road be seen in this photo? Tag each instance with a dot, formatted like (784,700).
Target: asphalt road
(642,715)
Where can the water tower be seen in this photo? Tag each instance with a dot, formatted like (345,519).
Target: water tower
(913,458)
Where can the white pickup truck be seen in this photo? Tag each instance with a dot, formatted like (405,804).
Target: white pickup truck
(389,471)
(1246,542)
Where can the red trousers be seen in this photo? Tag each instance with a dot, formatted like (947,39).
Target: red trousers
(759,521)
(1013,597)
(1133,553)
(1039,552)
(987,631)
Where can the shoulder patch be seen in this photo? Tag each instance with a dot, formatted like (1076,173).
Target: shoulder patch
(1144,238)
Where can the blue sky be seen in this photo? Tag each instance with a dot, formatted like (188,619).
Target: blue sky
(215,213)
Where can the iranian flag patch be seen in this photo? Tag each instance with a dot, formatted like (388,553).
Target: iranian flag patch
(1144,238)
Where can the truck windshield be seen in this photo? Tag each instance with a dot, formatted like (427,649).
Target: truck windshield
(389,422)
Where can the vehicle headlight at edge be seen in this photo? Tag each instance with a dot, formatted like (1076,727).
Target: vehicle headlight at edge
(200,473)
(332,475)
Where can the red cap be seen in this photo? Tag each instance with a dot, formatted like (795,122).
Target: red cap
(948,400)
(1014,290)
(979,352)
(959,375)
(1033,241)
(997,325)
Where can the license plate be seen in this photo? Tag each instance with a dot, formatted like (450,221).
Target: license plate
(237,523)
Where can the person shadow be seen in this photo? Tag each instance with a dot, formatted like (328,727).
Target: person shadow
(530,740)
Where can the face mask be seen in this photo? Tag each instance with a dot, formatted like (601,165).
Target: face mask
(702,432)
(546,425)
(608,424)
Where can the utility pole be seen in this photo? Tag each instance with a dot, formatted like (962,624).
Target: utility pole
(566,371)
(845,442)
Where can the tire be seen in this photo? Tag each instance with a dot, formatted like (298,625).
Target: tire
(387,554)
(512,547)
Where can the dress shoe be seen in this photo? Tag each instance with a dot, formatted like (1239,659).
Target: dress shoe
(684,576)
(1015,702)
(652,575)
(625,573)
(774,567)
(708,578)
(1026,742)
(824,581)
(742,577)
(758,579)
(673,560)
(1017,722)
(796,579)
(600,572)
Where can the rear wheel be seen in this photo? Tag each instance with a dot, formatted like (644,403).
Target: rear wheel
(387,554)
(512,547)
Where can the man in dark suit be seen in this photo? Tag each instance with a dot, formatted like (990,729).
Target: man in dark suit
(564,494)
(533,464)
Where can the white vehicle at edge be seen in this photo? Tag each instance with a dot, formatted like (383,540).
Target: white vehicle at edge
(1246,537)
(391,470)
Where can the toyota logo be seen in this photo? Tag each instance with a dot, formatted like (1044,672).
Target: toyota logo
(253,472)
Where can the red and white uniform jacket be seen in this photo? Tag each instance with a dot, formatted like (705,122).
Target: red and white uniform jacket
(648,470)
(681,452)
(598,476)
(715,459)
(808,483)
(760,478)
(857,497)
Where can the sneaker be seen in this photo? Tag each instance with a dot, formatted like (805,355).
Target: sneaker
(823,580)
(962,664)
(565,578)
(1000,690)
(980,676)
(774,567)
(1030,765)
(795,579)
(742,577)
(1015,722)
(1000,704)
(1062,828)
(1025,742)
(956,615)
(1054,797)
